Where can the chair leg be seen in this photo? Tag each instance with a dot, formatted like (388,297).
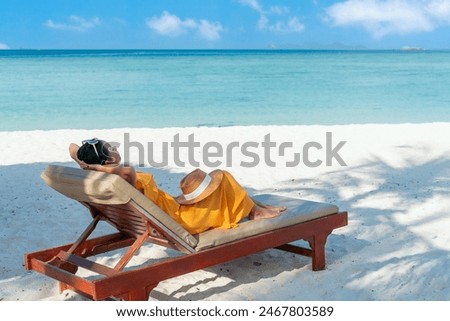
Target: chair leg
(83,237)
(139,294)
(62,287)
(132,249)
(317,243)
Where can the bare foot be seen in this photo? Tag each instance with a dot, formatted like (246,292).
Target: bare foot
(266,211)
(263,205)
(279,208)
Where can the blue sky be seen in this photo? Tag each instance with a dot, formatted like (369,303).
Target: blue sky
(224,24)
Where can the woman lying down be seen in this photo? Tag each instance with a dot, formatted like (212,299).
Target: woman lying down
(214,200)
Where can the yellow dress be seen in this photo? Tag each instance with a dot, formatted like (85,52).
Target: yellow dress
(224,208)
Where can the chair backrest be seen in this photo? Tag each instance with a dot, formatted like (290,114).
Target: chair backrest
(119,203)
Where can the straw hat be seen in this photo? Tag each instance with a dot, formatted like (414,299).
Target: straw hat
(197,185)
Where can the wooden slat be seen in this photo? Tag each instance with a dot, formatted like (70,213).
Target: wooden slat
(119,210)
(124,208)
(131,225)
(295,249)
(87,264)
(122,222)
(128,229)
(124,217)
(112,246)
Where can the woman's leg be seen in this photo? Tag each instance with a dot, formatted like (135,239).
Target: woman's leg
(261,211)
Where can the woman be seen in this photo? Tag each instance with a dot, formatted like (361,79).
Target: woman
(213,200)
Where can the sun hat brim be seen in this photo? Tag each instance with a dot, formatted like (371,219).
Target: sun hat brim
(216,179)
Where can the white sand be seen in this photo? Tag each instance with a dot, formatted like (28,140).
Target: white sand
(396,189)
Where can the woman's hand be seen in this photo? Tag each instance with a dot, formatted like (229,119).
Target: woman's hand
(83,165)
(87,166)
(92,167)
(127,173)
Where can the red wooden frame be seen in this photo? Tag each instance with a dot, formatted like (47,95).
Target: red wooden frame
(62,263)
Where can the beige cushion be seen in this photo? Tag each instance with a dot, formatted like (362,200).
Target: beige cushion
(102,188)
(298,211)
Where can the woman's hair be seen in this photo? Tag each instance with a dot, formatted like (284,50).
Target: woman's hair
(94,153)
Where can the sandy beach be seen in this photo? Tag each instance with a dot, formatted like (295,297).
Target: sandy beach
(395,187)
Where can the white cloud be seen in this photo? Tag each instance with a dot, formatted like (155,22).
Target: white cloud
(170,25)
(210,31)
(289,24)
(279,10)
(439,9)
(295,25)
(75,23)
(254,4)
(3,46)
(385,17)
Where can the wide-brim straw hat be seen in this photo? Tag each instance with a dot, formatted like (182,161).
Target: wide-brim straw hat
(198,185)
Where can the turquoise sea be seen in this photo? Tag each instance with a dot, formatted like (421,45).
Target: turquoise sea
(42,89)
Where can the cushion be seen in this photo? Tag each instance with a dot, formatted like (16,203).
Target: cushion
(298,211)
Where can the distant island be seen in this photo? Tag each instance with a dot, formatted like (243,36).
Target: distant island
(408,48)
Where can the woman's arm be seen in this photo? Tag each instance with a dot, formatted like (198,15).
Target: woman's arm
(73,149)
(127,173)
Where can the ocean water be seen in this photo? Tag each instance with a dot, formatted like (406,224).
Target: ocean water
(113,89)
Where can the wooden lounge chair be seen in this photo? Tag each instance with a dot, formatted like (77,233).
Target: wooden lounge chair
(138,220)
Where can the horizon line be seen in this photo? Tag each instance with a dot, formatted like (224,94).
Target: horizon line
(404,49)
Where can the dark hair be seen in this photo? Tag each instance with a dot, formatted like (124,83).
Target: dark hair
(87,154)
